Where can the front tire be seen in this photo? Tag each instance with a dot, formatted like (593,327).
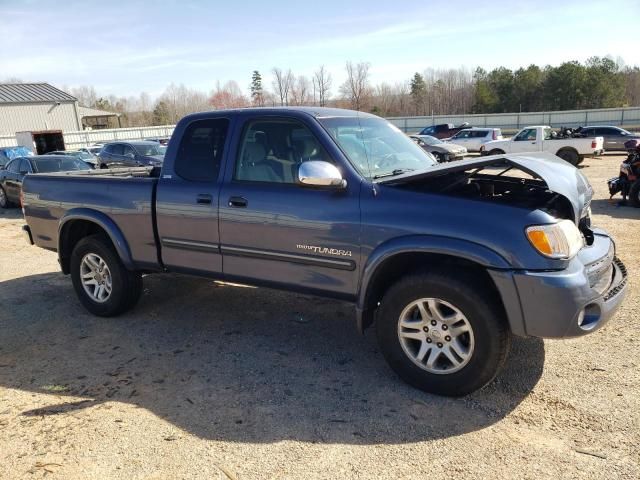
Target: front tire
(101,281)
(443,335)
(4,200)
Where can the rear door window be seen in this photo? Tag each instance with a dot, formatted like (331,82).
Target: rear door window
(117,149)
(478,133)
(14,166)
(25,166)
(201,150)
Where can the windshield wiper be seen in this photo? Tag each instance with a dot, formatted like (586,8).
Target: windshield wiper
(393,173)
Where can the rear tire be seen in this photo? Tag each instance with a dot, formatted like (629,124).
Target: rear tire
(479,341)
(101,281)
(570,156)
(634,194)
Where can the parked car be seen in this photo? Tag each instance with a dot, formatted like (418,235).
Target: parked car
(92,150)
(13,175)
(161,140)
(614,137)
(131,154)
(444,130)
(9,153)
(443,152)
(86,157)
(474,138)
(541,139)
(448,259)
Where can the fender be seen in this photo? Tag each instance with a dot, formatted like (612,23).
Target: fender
(435,244)
(102,220)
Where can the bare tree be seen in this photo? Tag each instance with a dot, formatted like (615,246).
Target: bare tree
(356,88)
(282,83)
(321,85)
(85,94)
(300,91)
(228,96)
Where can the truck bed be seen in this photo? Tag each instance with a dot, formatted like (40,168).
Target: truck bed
(124,196)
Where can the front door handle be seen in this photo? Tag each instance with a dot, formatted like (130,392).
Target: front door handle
(204,199)
(238,202)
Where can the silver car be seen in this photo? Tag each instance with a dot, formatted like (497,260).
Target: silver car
(443,152)
(474,138)
(614,137)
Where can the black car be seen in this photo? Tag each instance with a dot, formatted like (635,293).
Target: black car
(12,176)
(79,154)
(131,154)
(614,137)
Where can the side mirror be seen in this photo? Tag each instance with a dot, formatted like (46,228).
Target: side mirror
(320,174)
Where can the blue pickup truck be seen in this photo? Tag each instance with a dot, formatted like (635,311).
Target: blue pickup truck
(448,260)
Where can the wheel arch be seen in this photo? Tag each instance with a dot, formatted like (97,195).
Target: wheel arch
(79,223)
(396,258)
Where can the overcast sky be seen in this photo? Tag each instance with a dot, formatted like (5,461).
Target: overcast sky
(125,47)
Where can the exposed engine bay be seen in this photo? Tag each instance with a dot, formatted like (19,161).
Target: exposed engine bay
(509,181)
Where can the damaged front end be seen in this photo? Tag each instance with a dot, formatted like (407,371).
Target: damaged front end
(530,181)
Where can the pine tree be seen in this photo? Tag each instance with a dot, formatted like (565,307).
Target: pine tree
(257,94)
(418,93)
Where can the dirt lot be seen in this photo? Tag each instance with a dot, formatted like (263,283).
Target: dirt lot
(210,381)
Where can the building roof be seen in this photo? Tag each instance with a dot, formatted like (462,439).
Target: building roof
(94,112)
(32,93)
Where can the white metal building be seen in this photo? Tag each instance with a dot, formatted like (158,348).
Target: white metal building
(37,107)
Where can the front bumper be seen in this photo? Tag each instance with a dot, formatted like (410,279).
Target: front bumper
(577,300)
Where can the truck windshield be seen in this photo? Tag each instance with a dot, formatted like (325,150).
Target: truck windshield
(375,147)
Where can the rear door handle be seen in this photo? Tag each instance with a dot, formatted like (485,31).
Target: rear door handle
(204,199)
(238,202)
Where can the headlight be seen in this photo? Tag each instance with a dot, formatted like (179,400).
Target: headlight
(559,240)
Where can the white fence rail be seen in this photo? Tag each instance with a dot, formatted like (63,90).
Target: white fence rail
(624,117)
(74,140)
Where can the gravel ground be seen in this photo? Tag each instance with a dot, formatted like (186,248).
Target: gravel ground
(212,381)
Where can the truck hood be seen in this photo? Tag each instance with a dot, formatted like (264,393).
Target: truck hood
(559,176)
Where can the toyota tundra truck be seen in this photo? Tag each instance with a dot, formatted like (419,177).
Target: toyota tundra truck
(447,260)
(545,139)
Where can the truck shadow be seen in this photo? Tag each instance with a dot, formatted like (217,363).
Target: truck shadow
(603,206)
(234,364)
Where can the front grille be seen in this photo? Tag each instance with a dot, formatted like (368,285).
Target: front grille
(618,288)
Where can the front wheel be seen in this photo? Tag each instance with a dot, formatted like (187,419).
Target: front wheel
(443,335)
(101,281)
(4,200)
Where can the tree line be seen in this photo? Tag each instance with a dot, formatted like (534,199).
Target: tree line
(600,82)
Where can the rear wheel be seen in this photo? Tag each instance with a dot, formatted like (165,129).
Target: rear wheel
(570,156)
(101,281)
(443,335)
(4,200)
(634,194)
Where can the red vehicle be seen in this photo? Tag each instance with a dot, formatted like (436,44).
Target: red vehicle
(444,130)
